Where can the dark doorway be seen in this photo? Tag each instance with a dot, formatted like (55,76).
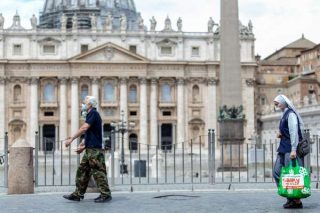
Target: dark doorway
(107,135)
(133,142)
(166,136)
(49,137)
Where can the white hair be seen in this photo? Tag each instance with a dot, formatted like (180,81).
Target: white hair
(92,101)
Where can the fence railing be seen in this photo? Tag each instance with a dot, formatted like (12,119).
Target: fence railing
(201,160)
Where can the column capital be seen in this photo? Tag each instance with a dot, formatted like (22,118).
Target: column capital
(180,81)
(154,81)
(250,82)
(74,80)
(95,79)
(63,80)
(143,80)
(34,80)
(123,80)
(212,81)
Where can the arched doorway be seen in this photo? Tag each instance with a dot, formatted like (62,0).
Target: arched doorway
(166,136)
(133,142)
(49,137)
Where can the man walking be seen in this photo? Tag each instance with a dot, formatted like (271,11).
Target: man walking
(93,161)
(290,133)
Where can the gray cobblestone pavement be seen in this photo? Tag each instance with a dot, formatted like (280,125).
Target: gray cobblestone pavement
(262,200)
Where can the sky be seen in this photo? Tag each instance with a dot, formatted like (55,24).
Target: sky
(276,23)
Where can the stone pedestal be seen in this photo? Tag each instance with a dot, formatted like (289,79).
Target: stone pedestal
(231,141)
(20,180)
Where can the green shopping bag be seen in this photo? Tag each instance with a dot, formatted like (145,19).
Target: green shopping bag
(294,182)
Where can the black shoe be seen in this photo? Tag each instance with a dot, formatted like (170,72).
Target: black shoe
(293,205)
(287,203)
(101,199)
(81,197)
(72,197)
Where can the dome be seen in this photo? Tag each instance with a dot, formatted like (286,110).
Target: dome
(54,9)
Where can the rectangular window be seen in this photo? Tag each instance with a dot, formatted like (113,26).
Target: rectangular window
(48,114)
(49,49)
(166,113)
(17,49)
(84,48)
(133,48)
(195,51)
(133,113)
(166,50)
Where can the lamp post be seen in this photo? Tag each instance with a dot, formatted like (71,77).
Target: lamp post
(122,127)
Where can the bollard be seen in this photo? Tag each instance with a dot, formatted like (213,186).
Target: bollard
(20,180)
(116,165)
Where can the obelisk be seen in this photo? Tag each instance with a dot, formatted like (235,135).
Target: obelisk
(230,69)
(231,118)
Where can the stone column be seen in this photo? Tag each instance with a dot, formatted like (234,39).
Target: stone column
(249,107)
(154,113)
(34,110)
(124,107)
(63,125)
(2,108)
(143,137)
(74,107)
(95,90)
(211,112)
(180,112)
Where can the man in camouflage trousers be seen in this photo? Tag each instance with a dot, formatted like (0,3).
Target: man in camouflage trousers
(93,161)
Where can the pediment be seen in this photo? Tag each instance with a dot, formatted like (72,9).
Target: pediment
(49,40)
(109,52)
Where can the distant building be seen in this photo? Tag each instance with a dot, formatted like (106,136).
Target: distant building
(163,79)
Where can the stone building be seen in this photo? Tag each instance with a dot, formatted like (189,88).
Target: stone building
(296,76)
(164,80)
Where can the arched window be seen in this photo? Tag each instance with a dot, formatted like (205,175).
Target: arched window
(84,91)
(17,94)
(16,133)
(133,94)
(166,93)
(133,142)
(195,93)
(48,93)
(109,92)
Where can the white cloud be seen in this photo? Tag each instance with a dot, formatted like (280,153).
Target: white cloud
(276,22)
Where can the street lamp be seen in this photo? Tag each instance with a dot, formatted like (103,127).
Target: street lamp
(122,127)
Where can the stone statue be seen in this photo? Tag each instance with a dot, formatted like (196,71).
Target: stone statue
(250,26)
(63,21)
(1,21)
(314,99)
(210,25)
(231,113)
(75,22)
(153,24)
(140,23)
(34,22)
(117,3)
(123,22)
(179,24)
(93,21)
(108,23)
(167,24)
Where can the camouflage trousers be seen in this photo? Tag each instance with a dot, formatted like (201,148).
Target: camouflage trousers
(92,163)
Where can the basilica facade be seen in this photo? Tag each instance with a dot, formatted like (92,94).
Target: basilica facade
(162,79)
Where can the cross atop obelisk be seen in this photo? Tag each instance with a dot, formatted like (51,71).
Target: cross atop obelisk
(230,69)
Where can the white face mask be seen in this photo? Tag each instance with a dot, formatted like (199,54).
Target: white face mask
(277,109)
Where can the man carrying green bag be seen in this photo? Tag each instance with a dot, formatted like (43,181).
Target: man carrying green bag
(294,182)
(290,133)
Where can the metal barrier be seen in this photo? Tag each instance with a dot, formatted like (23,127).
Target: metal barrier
(201,160)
